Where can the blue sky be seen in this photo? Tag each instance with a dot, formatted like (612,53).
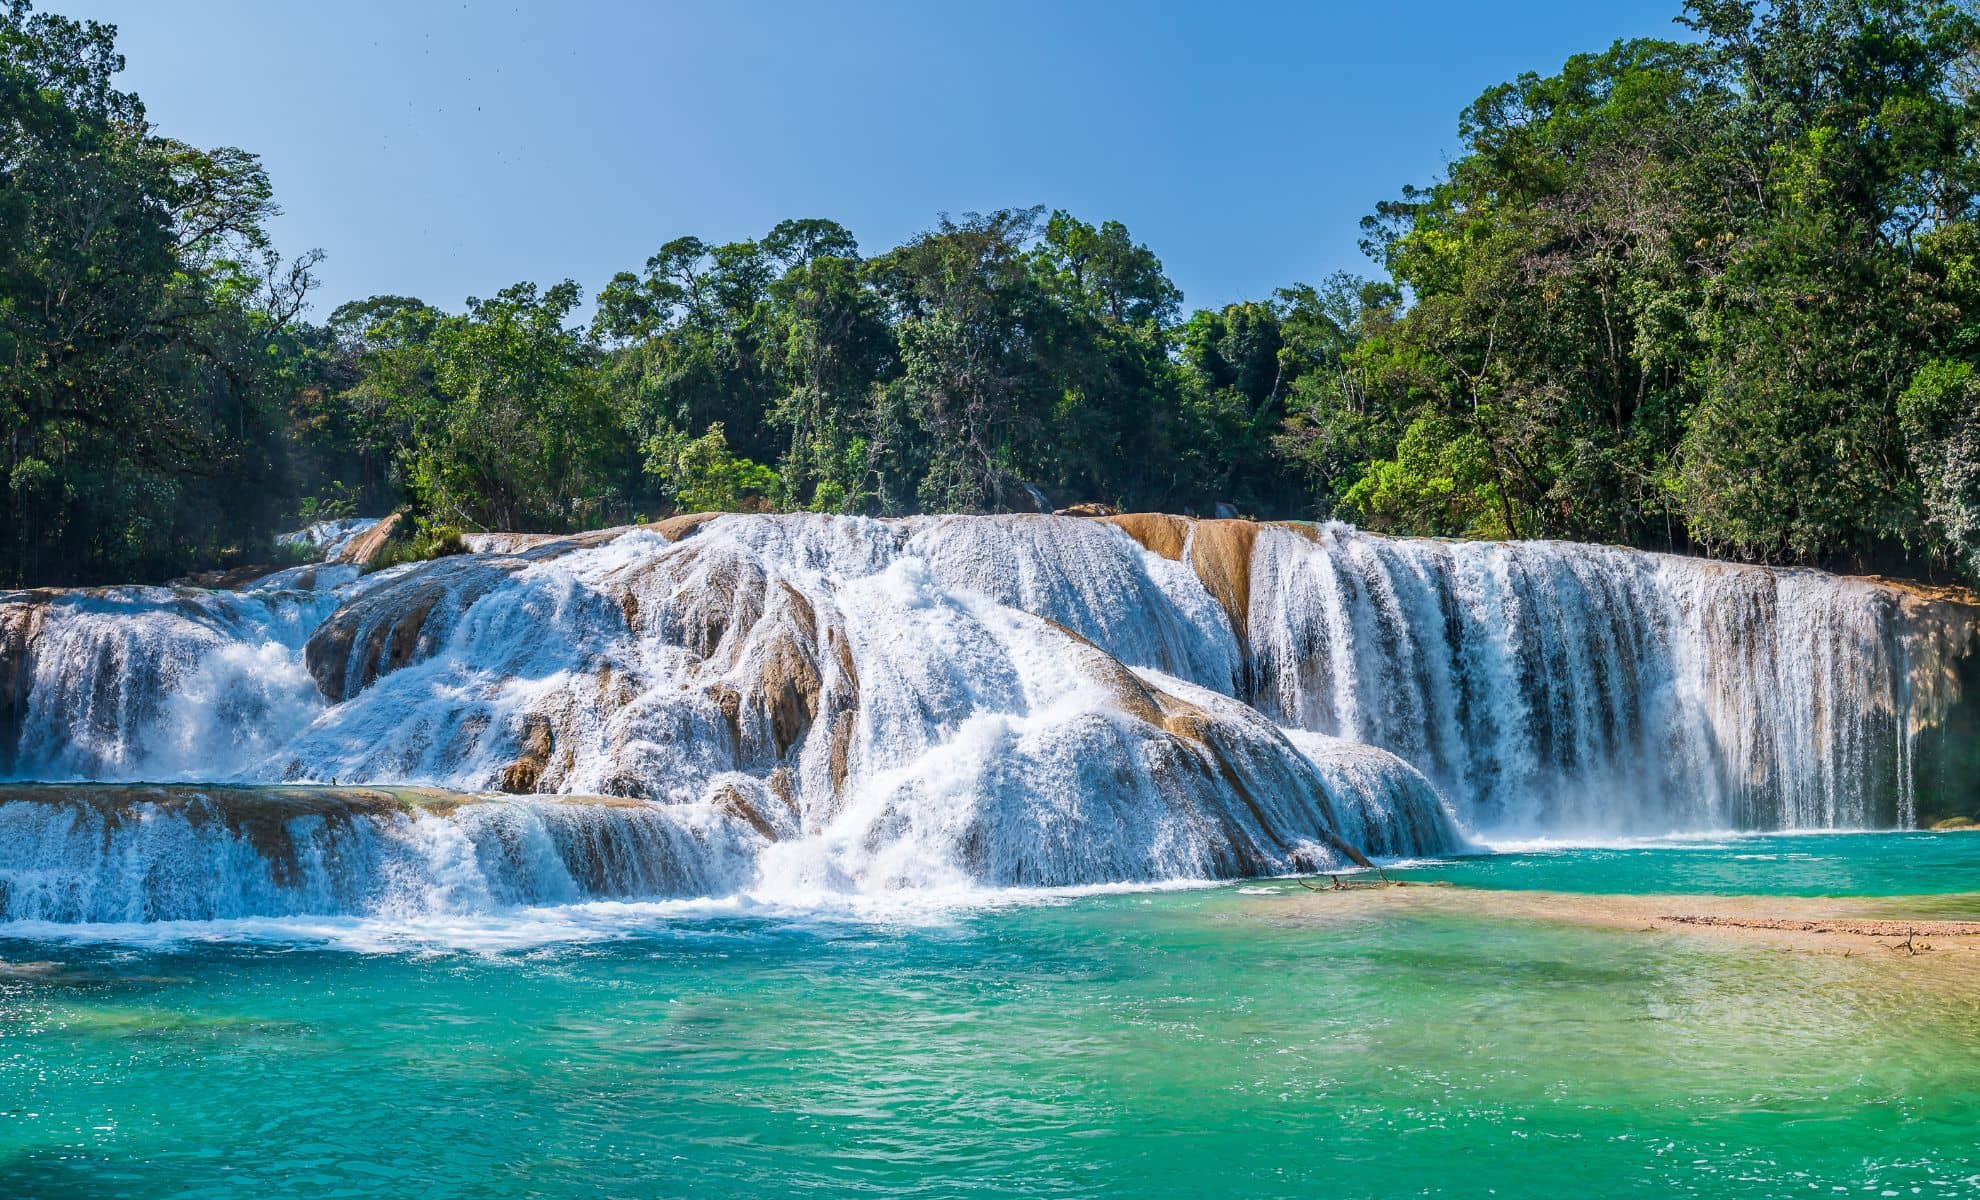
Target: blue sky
(445,150)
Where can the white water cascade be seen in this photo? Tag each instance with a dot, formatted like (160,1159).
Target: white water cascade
(1555,687)
(194,853)
(803,706)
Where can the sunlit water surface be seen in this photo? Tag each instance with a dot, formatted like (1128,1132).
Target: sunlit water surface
(1221,1042)
(1943,865)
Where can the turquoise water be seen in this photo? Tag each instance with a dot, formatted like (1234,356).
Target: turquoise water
(1857,864)
(1205,1043)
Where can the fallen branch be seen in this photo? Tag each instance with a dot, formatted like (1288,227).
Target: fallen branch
(1337,884)
(1862,928)
(1908,946)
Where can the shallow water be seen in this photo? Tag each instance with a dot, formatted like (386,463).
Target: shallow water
(1942,865)
(1210,1043)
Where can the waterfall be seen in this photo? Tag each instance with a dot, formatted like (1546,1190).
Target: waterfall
(190,853)
(1549,686)
(797,706)
(143,682)
(326,539)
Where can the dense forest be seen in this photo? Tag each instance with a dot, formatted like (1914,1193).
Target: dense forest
(1717,292)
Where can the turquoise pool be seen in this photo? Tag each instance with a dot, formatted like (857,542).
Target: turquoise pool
(1193,1043)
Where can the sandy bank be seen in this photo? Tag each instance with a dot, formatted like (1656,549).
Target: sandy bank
(1870,928)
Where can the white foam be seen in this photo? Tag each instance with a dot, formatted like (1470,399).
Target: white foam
(834,712)
(520,928)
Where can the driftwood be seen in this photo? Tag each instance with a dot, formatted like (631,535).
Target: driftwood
(1865,927)
(1908,946)
(1336,884)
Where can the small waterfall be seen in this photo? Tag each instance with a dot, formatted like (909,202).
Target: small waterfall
(1556,687)
(803,705)
(123,854)
(326,539)
(142,682)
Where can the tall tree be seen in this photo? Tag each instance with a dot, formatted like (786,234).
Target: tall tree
(146,354)
(505,424)
(969,320)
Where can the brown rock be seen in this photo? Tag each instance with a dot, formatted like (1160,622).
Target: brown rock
(366,549)
(1134,696)
(522,775)
(683,525)
(731,800)
(1158,533)
(397,624)
(20,622)
(790,684)
(1220,551)
(842,731)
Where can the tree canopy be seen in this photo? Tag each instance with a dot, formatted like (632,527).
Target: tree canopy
(1719,291)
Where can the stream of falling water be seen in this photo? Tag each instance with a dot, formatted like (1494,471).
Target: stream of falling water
(1551,687)
(802,706)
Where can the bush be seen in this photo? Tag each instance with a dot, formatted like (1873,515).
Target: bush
(701,475)
(1940,413)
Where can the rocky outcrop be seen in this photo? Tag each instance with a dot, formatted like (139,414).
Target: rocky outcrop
(20,620)
(526,771)
(367,549)
(399,623)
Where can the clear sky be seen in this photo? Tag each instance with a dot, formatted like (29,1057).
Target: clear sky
(443,150)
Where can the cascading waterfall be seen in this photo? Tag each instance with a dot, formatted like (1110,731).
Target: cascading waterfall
(799,707)
(121,853)
(146,682)
(1554,687)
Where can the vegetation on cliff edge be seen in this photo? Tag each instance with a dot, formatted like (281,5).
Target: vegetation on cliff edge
(1720,291)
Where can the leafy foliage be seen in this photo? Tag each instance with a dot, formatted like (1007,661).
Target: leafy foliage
(1718,291)
(500,416)
(146,341)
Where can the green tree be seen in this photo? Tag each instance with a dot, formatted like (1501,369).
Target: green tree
(1941,416)
(1103,338)
(698,474)
(837,347)
(147,354)
(967,319)
(504,421)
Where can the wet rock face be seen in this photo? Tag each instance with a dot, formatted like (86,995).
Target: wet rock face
(366,549)
(20,619)
(1030,699)
(1158,533)
(526,771)
(399,623)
